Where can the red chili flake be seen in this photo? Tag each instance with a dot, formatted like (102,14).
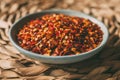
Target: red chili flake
(59,35)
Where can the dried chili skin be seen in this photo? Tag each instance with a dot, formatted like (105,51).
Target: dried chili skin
(59,35)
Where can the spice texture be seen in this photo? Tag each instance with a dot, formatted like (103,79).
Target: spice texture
(59,35)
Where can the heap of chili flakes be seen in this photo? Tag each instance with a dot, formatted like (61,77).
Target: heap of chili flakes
(59,35)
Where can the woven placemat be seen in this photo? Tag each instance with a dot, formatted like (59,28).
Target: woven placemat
(103,66)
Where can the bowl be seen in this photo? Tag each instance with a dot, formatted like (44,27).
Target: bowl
(56,59)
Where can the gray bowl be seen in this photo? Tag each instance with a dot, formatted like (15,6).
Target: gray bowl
(56,59)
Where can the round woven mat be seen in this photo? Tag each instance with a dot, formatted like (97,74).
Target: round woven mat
(103,66)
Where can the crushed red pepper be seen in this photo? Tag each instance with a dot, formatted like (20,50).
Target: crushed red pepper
(59,35)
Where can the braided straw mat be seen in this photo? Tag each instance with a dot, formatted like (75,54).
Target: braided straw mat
(103,66)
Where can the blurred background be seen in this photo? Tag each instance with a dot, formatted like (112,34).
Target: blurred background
(103,66)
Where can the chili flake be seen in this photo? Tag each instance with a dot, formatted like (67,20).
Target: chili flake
(59,35)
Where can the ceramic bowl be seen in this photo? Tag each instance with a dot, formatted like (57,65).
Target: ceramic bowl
(56,59)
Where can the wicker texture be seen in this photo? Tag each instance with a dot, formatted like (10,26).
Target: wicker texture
(103,66)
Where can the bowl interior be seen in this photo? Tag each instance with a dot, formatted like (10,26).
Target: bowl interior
(20,23)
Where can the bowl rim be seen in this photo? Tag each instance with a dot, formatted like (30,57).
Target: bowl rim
(66,56)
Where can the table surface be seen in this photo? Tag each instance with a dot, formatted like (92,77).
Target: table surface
(103,66)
